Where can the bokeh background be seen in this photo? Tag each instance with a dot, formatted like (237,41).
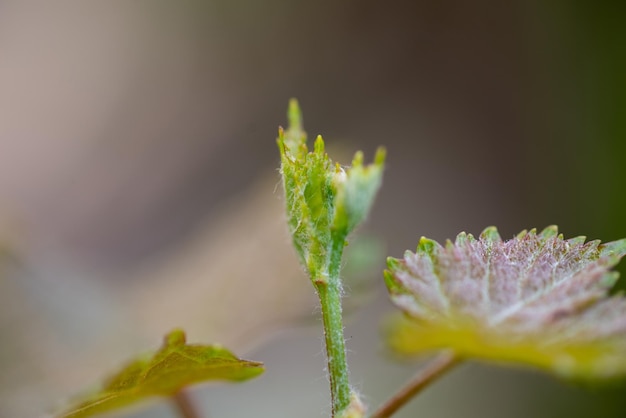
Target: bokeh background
(139,190)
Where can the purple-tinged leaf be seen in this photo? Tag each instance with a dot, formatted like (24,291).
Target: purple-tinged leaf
(536,299)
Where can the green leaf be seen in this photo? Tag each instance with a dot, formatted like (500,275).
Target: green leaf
(536,300)
(166,372)
(356,191)
(325,202)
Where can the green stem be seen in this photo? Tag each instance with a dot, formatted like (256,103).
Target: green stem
(437,367)
(329,292)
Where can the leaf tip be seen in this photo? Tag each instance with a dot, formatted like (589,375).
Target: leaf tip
(426,246)
(294,114)
(490,234)
(319,145)
(357,161)
(176,337)
(381,155)
(614,248)
(549,232)
(577,240)
(393,263)
(390,281)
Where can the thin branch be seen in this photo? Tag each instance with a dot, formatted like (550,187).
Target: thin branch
(436,368)
(184,405)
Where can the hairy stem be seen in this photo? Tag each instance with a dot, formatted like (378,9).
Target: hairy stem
(329,292)
(330,299)
(184,405)
(433,370)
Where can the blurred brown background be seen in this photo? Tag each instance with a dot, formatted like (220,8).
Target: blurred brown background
(138,182)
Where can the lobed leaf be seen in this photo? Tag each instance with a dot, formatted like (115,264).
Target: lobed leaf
(176,365)
(536,299)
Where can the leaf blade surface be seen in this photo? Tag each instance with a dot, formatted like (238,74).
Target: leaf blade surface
(537,300)
(174,366)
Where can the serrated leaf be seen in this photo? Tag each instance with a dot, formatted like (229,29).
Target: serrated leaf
(537,300)
(175,366)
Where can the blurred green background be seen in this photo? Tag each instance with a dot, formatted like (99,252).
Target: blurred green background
(128,127)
